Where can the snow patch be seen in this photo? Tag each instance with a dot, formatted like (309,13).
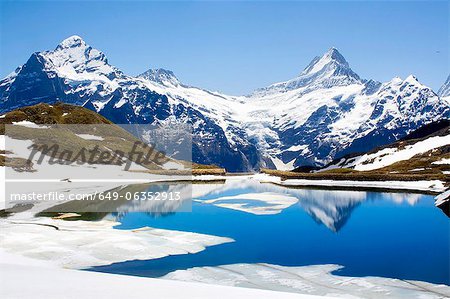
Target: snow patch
(435,185)
(29,124)
(444,161)
(389,156)
(64,283)
(89,137)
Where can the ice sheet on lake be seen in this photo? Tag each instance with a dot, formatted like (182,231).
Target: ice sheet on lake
(312,280)
(80,244)
(264,203)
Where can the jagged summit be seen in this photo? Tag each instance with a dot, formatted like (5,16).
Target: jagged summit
(410,81)
(329,70)
(330,64)
(331,58)
(71,42)
(161,76)
(74,51)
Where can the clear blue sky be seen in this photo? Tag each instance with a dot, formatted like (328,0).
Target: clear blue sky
(236,47)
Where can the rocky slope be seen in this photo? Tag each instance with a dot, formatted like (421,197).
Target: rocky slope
(424,151)
(68,135)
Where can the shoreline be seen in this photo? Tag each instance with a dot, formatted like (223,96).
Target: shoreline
(369,176)
(431,187)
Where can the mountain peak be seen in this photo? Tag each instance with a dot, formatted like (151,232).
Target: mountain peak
(330,60)
(74,51)
(73,57)
(73,41)
(327,71)
(334,54)
(411,79)
(161,76)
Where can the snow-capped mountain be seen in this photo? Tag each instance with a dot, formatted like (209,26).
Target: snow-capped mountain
(161,76)
(76,73)
(325,112)
(330,70)
(328,111)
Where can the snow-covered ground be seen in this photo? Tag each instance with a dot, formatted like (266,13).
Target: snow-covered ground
(46,170)
(28,281)
(317,280)
(442,162)
(29,124)
(435,186)
(391,155)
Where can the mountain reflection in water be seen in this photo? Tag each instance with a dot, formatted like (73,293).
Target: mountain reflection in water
(369,233)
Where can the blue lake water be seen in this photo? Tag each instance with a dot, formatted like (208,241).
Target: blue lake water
(393,235)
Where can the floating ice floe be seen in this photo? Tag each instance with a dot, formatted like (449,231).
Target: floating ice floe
(264,203)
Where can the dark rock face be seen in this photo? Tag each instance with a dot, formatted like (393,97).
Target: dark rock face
(31,86)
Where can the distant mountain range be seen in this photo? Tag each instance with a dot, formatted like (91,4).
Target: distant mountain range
(326,112)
